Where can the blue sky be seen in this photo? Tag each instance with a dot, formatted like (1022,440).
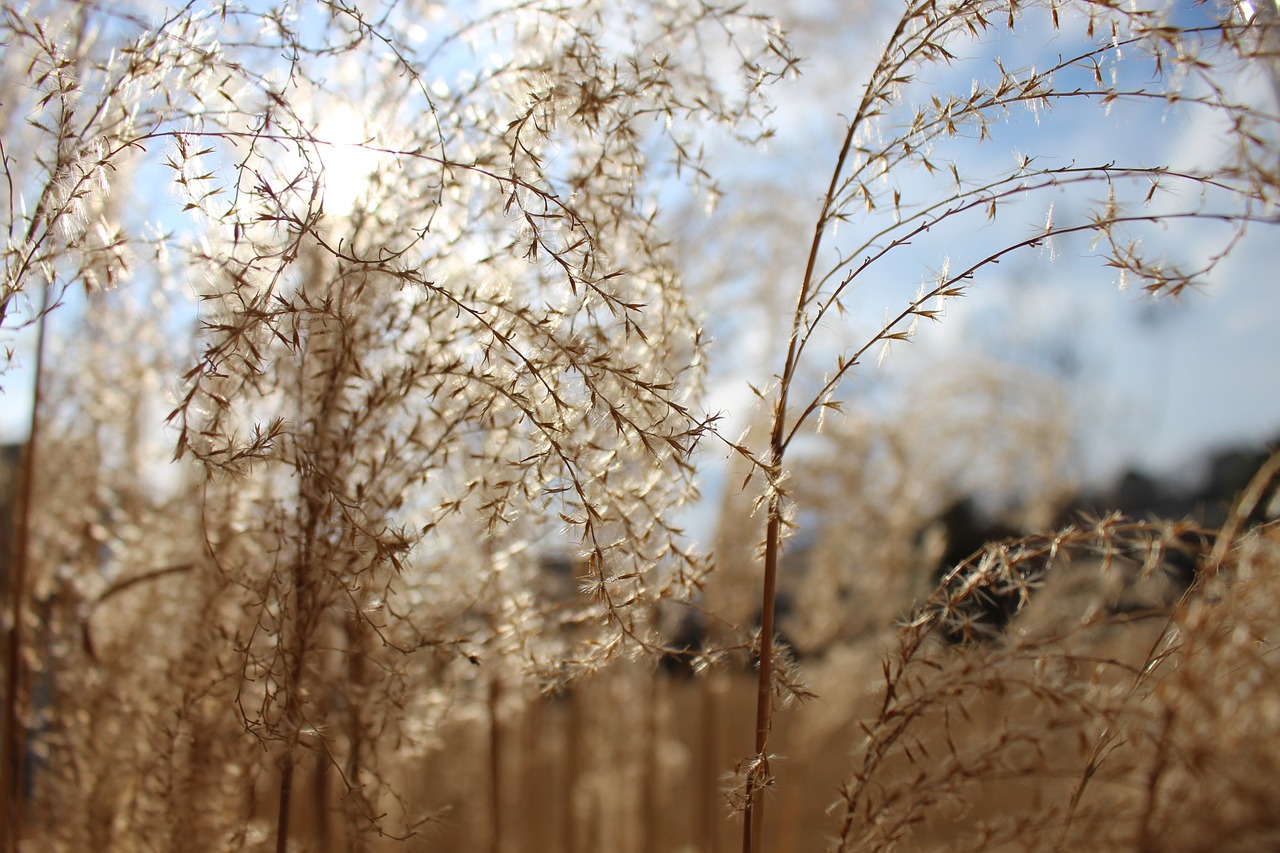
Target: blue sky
(1152,386)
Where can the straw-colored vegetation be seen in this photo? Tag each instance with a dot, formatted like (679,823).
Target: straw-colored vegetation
(370,349)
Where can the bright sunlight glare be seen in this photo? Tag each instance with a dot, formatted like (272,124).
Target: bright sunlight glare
(350,158)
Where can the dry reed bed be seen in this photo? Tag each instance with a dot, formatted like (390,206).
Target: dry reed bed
(1079,728)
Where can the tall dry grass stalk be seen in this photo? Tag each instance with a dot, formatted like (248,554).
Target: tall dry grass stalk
(437,337)
(1086,723)
(893,184)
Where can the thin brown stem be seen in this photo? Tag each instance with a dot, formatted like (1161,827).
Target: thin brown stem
(284,805)
(12,768)
(496,781)
(753,818)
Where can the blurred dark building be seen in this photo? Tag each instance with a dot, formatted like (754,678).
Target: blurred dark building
(1208,501)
